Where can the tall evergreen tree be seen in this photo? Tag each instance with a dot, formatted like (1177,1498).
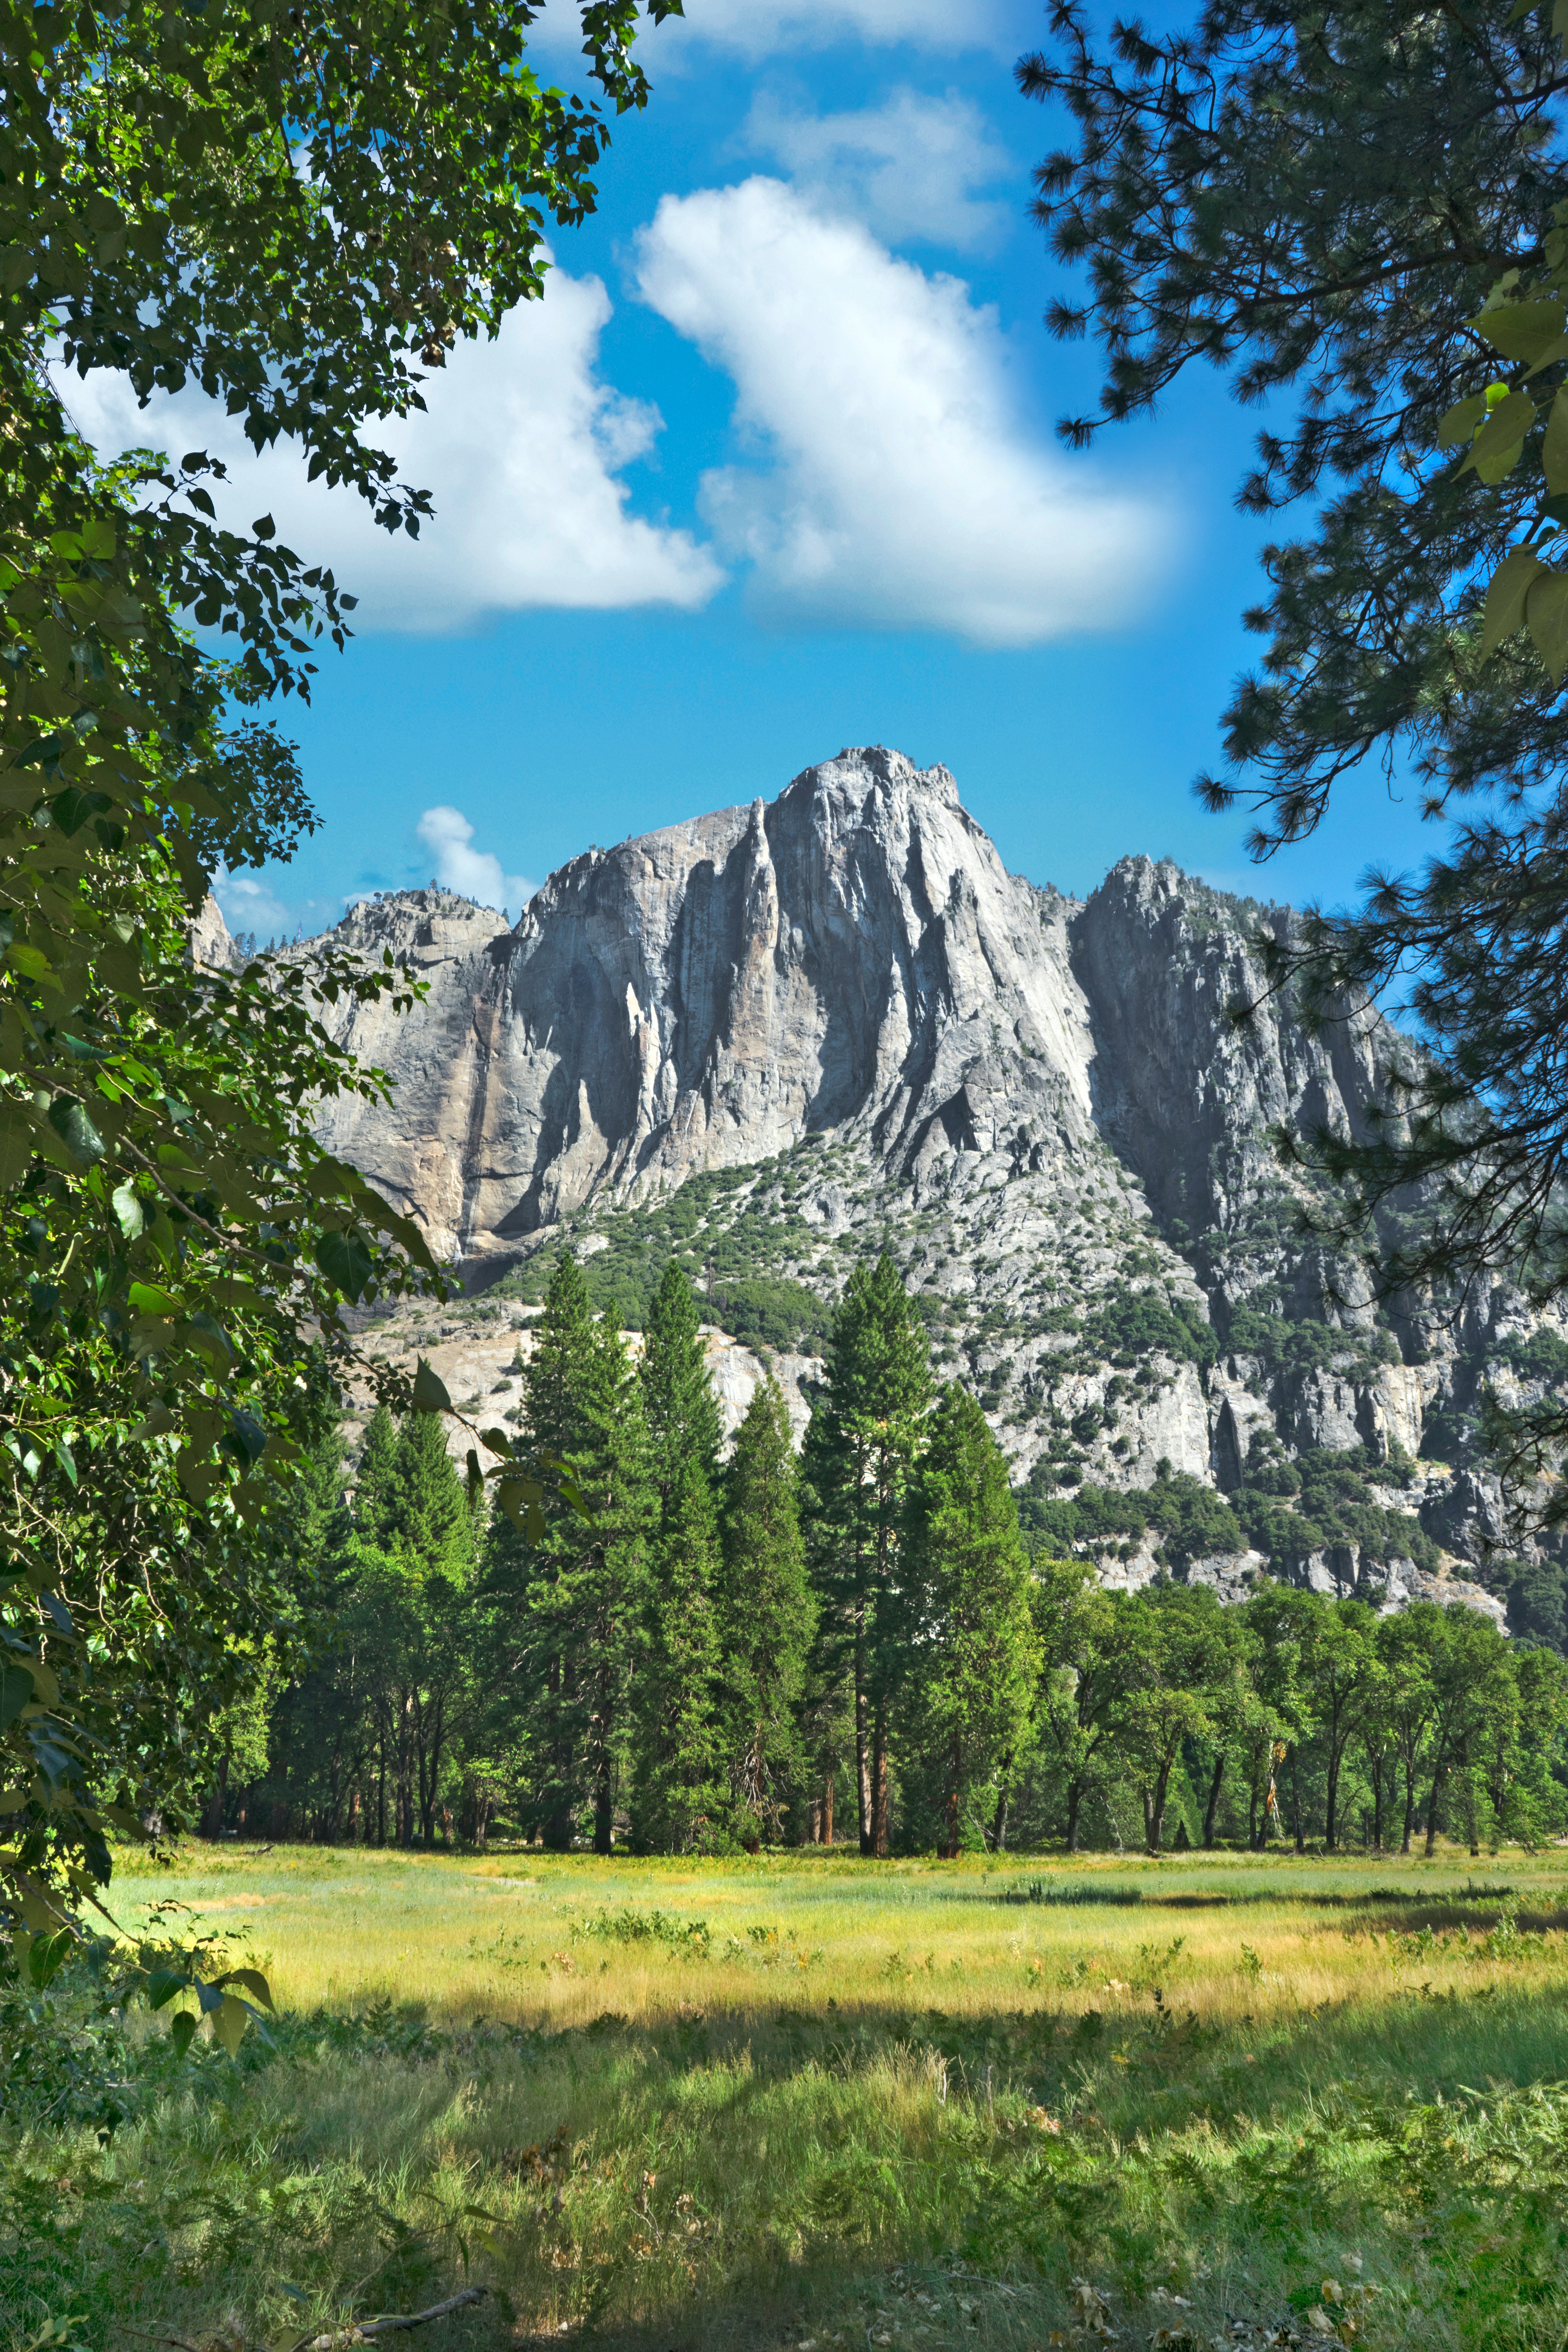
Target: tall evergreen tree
(584,1586)
(974,1656)
(681,1716)
(680,1793)
(768,1612)
(860,1452)
(682,1411)
(375,1487)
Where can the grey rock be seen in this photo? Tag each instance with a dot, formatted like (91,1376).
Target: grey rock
(1040,1104)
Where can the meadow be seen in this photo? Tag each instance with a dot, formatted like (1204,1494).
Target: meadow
(806,2100)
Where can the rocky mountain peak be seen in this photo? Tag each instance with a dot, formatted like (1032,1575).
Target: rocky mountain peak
(780,1036)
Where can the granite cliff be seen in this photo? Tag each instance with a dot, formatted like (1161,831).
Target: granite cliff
(777,1037)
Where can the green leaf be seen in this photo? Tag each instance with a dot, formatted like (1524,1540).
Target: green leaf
(1501,439)
(71,808)
(1462,420)
(1546,611)
(16,1693)
(1503,613)
(158,1424)
(346,1260)
(1554,448)
(230,2022)
(210,1340)
(128,1211)
(18,1141)
(182,2027)
(520,1499)
(245,1437)
(496,1441)
(70,1122)
(162,1986)
(1520,330)
(430,1391)
(148,1298)
(252,1980)
(47,1956)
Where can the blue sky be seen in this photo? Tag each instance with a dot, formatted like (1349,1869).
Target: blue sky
(769,471)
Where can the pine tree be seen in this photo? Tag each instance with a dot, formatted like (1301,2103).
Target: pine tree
(677,1394)
(585,1585)
(679,1766)
(976,1656)
(432,1525)
(768,1614)
(375,1487)
(860,1452)
(410,1612)
(680,1795)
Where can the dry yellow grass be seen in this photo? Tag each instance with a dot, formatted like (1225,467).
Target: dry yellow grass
(504,1937)
(921,2104)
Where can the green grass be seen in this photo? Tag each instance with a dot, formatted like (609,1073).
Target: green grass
(812,2099)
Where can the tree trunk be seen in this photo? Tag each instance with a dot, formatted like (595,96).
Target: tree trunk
(999,1822)
(1409,1806)
(828,1811)
(1330,1818)
(879,1782)
(211,1816)
(1296,1802)
(1439,1777)
(954,1763)
(862,1742)
(1075,1806)
(1211,1810)
(604,1812)
(814,1822)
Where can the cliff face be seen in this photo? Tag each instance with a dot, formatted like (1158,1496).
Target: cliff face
(1040,1104)
(853,957)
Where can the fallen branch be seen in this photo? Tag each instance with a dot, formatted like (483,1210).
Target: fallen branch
(360,2331)
(418,2319)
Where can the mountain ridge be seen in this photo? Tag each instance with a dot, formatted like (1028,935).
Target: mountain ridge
(841,1020)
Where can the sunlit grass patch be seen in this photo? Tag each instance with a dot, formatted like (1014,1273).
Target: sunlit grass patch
(757,2103)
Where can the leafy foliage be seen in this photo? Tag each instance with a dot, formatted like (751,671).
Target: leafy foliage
(176,1253)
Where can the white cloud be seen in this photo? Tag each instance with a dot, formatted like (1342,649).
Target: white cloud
(250,904)
(758,28)
(907,492)
(476,873)
(521,445)
(906,168)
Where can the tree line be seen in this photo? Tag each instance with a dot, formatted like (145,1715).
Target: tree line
(853,1644)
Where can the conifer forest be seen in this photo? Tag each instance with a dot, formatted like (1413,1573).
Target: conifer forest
(861,1646)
